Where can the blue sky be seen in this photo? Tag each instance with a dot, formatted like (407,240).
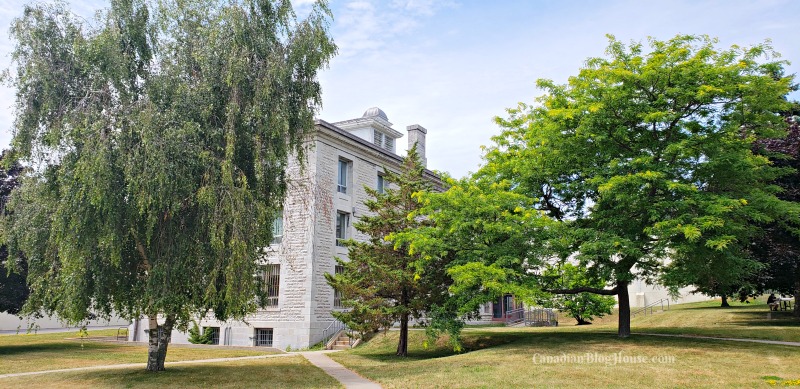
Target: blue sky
(451,66)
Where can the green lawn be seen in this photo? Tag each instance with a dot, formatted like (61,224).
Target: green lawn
(568,355)
(583,356)
(741,320)
(36,352)
(502,358)
(281,372)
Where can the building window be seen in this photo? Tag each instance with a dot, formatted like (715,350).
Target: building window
(263,337)
(382,140)
(277,230)
(381,185)
(214,334)
(342,223)
(388,143)
(271,279)
(344,176)
(337,295)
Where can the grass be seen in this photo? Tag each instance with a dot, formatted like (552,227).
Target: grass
(568,355)
(37,352)
(741,320)
(281,372)
(515,357)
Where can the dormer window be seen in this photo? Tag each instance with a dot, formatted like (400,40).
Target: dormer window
(383,141)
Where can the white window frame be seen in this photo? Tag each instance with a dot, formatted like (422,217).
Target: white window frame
(342,227)
(380,185)
(277,229)
(344,169)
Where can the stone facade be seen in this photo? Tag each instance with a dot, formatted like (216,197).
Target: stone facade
(308,247)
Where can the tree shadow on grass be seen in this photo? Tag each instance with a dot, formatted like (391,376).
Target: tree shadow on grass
(284,372)
(381,348)
(59,346)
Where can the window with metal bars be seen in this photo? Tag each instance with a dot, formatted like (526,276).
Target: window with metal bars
(337,295)
(214,334)
(263,337)
(271,276)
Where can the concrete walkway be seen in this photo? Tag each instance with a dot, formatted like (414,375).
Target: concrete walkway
(779,342)
(347,377)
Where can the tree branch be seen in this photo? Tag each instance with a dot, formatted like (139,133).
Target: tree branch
(582,289)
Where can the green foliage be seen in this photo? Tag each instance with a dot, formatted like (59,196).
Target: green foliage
(13,271)
(488,236)
(382,283)
(196,336)
(159,139)
(581,306)
(647,153)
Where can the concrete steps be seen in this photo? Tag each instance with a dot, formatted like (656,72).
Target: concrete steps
(341,343)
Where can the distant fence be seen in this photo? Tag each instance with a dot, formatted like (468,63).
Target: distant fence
(535,317)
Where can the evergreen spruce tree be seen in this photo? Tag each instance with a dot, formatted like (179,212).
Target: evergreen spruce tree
(382,283)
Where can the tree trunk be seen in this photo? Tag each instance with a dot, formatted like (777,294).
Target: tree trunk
(724,301)
(402,344)
(158,340)
(152,345)
(796,298)
(164,337)
(624,326)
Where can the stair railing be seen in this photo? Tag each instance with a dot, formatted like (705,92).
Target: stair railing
(649,308)
(332,330)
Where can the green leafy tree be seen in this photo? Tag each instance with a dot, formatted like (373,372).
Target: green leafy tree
(778,249)
(489,238)
(13,268)
(644,154)
(382,283)
(158,139)
(581,306)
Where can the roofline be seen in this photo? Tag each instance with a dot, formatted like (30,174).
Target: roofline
(372,147)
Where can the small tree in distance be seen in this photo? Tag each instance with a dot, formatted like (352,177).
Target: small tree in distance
(382,284)
(583,307)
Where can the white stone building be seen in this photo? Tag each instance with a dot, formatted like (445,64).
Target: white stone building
(323,201)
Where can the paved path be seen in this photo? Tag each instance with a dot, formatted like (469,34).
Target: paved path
(780,342)
(347,377)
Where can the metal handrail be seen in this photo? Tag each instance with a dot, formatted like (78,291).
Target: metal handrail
(539,317)
(515,316)
(333,329)
(119,332)
(650,307)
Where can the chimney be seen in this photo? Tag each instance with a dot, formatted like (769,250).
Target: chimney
(416,134)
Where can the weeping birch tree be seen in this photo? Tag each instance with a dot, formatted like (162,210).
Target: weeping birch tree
(158,138)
